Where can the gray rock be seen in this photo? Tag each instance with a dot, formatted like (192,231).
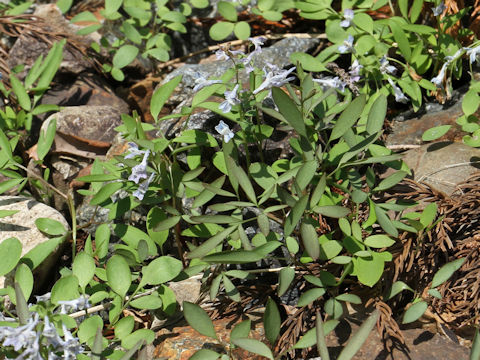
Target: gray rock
(22,226)
(443,165)
(277,54)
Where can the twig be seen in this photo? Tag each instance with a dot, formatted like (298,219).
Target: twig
(403,146)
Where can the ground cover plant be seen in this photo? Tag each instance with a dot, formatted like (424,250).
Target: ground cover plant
(321,216)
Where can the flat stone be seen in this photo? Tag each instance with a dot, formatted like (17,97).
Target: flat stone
(22,226)
(443,165)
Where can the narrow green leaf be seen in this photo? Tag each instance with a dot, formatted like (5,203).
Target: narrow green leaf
(401,39)
(205,354)
(310,240)
(254,346)
(5,145)
(319,190)
(475,352)
(230,290)
(22,96)
(397,287)
(215,219)
(435,132)
(244,182)
(167,223)
(348,117)
(161,95)
(446,271)
(351,298)
(414,312)
(22,306)
(198,319)
(320,337)
(271,321)
(309,296)
(211,243)
(305,174)
(333,211)
(391,181)
(295,215)
(105,192)
(376,115)
(285,278)
(289,111)
(45,140)
(385,221)
(263,224)
(359,338)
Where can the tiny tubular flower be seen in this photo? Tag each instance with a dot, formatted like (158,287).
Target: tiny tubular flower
(224,130)
(21,337)
(74,305)
(438,80)
(221,55)
(142,189)
(355,71)
(140,171)
(399,95)
(70,346)
(473,53)
(231,99)
(347,18)
(347,45)
(385,67)
(133,151)
(257,42)
(201,82)
(274,80)
(439,9)
(331,83)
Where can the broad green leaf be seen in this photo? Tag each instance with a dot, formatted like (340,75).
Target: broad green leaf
(310,296)
(24,278)
(88,328)
(254,346)
(50,226)
(308,62)
(285,278)
(271,321)
(348,117)
(391,181)
(221,30)
(198,319)
(376,115)
(369,270)
(13,248)
(40,252)
(379,241)
(161,270)
(241,330)
(161,95)
(360,336)
(470,103)
(124,56)
(295,215)
(428,214)
(414,312)
(289,110)
(306,173)
(242,30)
(5,145)
(111,6)
(102,239)
(435,132)
(310,240)
(228,11)
(205,354)
(83,268)
(351,298)
(148,302)
(124,327)
(144,335)
(230,290)
(118,275)
(397,287)
(309,339)
(66,288)
(446,271)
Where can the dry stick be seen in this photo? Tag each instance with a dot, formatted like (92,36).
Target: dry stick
(403,147)
(239,42)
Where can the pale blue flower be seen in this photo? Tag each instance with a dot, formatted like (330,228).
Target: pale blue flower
(399,95)
(347,45)
(71,346)
(142,189)
(355,71)
(74,305)
(23,337)
(347,18)
(385,67)
(50,333)
(133,151)
(257,42)
(225,131)
(140,171)
(231,99)
(221,55)
(438,80)
(274,79)
(331,83)
(201,82)
(473,53)
(439,9)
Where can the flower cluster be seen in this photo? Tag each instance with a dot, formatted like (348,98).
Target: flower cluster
(472,52)
(139,171)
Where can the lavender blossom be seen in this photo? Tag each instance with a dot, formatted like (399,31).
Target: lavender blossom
(224,130)
(231,99)
(70,346)
(274,79)
(439,9)
(257,42)
(74,305)
(348,17)
(385,67)
(473,53)
(201,82)
(133,151)
(221,55)
(331,83)
(355,71)
(140,171)
(399,95)
(21,337)
(438,80)
(347,45)
(50,333)
(142,189)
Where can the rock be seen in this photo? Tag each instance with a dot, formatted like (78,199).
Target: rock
(186,290)
(443,165)
(22,226)
(86,89)
(181,342)
(28,48)
(277,54)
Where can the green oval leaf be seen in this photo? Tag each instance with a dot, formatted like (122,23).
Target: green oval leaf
(124,327)
(254,346)
(24,278)
(242,30)
(118,275)
(446,271)
(65,289)
(198,319)
(12,247)
(131,340)
(124,56)
(88,328)
(376,115)
(379,241)
(161,270)
(285,278)
(228,11)
(435,132)
(271,321)
(310,240)
(221,30)
(414,312)
(310,296)
(50,226)
(83,268)
(348,117)
(148,302)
